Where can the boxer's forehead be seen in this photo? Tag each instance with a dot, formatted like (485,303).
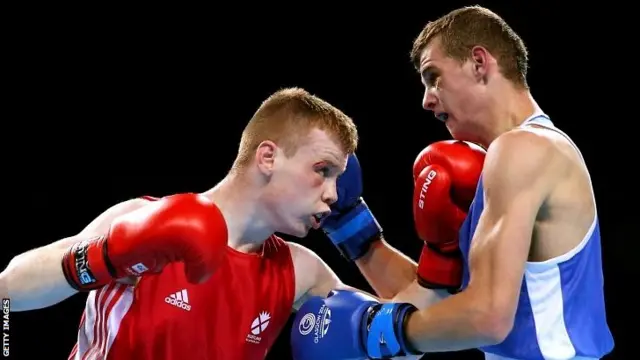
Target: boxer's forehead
(433,61)
(431,56)
(320,146)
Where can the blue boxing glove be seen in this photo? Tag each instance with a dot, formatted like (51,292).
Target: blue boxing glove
(350,325)
(351,226)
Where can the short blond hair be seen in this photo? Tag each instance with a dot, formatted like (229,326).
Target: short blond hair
(462,29)
(286,118)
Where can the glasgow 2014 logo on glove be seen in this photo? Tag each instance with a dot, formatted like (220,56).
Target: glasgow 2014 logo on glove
(316,323)
(307,323)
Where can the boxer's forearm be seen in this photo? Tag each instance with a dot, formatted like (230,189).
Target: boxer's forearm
(387,270)
(457,323)
(419,296)
(35,280)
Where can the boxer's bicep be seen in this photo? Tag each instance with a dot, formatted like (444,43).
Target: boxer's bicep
(102,222)
(327,280)
(99,225)
(313,276)
(518,175)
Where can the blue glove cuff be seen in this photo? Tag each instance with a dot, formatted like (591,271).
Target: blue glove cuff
(386,337)
(354,231)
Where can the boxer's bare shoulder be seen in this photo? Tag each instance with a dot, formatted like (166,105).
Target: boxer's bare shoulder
(524,156)
(542,166)
(568,211)
(313,275)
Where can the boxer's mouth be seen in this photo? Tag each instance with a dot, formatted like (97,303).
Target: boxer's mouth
(317,218)
(315,224)
(443,116)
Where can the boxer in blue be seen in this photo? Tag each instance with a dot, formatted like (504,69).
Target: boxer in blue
(528,248)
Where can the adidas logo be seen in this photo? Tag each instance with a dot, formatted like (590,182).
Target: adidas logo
(179,299)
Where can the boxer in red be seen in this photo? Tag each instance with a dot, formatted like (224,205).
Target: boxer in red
(203,276)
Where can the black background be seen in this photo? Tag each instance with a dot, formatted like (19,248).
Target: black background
(117,103)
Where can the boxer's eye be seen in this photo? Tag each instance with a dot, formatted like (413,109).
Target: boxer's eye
(324,171)
(431,78)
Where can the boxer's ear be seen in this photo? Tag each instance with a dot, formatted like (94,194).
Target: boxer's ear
(265,157)
(480,59)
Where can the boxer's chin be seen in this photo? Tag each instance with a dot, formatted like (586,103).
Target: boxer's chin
(453,128)
(297,228)
(457,133)
(298,234)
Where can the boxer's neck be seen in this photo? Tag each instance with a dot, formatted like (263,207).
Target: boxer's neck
(510,107)
(238,200)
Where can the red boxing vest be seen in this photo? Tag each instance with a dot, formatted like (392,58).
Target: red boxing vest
(237,314)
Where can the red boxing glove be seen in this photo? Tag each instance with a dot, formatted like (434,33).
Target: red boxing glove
(185,228)
(446,175)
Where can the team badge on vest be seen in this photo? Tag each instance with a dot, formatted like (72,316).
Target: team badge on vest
(258,326)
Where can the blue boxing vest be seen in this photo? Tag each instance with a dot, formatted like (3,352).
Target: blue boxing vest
(561,311)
